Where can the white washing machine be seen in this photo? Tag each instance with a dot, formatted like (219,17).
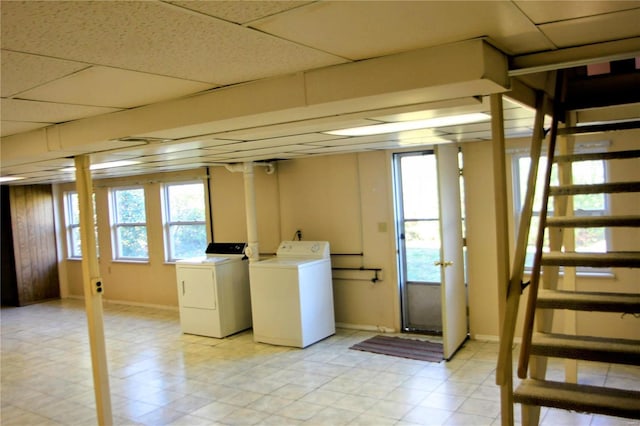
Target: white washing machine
(213,291)
(292,295)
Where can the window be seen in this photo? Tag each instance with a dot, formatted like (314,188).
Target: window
(72,218)
(129,225)
(592,240)
(185,227)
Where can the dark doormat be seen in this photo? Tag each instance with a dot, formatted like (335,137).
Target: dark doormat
(400,347)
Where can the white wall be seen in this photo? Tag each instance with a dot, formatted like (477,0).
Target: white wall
(347,200)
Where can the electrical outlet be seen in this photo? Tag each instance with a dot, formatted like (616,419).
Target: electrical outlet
(96,286)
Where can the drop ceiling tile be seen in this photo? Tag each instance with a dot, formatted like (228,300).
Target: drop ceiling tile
(112,87)
(109,156)
(12,127)
(153,37)
(299,127)
(270,150)
(21,110)
(262,157)
(240,12)
(366,29)
(279,142)
(21,71)
(446,108)
(593,29)
(545,11)
(335,149)
(287,140)
(193,153)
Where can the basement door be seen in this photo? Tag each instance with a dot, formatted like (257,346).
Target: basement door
(430,255)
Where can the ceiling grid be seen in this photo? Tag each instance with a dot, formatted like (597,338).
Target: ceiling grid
(227,81)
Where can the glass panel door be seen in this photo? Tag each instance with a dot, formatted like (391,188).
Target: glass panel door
(419,231)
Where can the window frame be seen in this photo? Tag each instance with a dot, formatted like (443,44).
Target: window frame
(70,225)
(116,225)
(517,195)
(168,223)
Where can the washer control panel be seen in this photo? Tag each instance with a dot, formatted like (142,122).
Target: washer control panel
(308,249)
(226,248)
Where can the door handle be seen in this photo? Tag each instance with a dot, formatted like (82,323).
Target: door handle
(441,263)
(183,288)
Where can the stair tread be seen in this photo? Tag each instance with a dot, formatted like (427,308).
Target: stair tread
(596,188)
(596,260)
(593,221)
(607,155)
(582,398)
(589,348)
(589,301)
(598,128)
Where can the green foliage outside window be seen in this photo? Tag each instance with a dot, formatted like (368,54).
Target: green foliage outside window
(185,220)
(130,224)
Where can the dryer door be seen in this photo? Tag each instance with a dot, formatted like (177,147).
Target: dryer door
(198,287)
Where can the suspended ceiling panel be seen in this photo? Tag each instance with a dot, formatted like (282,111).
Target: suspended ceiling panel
(600,28)
(13,127)
(386,27)
(240,12)
(299,127)
(541,12)
(269,56)
(153,37)
(31,111)
(21,71)
(113,87)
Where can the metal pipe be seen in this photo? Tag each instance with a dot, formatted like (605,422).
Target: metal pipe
(252,251)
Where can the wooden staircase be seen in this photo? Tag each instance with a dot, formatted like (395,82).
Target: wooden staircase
(546,300)
(535,390)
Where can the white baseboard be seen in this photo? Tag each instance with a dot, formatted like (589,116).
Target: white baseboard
(492,338)
(376,328)
(129,303)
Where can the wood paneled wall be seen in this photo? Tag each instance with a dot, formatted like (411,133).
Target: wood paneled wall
(34,243)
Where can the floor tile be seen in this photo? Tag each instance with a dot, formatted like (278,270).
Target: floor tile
(160,376)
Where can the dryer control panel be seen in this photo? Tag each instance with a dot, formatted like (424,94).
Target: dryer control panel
(304,249)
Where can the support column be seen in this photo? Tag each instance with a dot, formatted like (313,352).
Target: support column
(92,285)
(252,251)
(502,243)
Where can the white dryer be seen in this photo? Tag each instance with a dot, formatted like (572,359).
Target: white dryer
(213,291)
(292,295)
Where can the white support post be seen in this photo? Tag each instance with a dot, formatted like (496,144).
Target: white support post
(252,251)
(502,243)
(92,284)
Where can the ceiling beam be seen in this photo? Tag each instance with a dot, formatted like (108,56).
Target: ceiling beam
(458,70)
(574,57)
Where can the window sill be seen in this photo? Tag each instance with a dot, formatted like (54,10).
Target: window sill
(132,261)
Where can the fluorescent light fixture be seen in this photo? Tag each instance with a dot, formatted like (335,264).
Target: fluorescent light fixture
(108,165)
(10,178)
(400,126)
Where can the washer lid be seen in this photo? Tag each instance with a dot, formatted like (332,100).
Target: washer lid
(207,260)
(286,262)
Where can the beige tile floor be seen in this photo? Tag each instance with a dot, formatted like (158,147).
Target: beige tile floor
(159,376)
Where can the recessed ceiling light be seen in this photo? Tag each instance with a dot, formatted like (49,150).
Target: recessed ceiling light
(10,178)
(401,126)
(108,165)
